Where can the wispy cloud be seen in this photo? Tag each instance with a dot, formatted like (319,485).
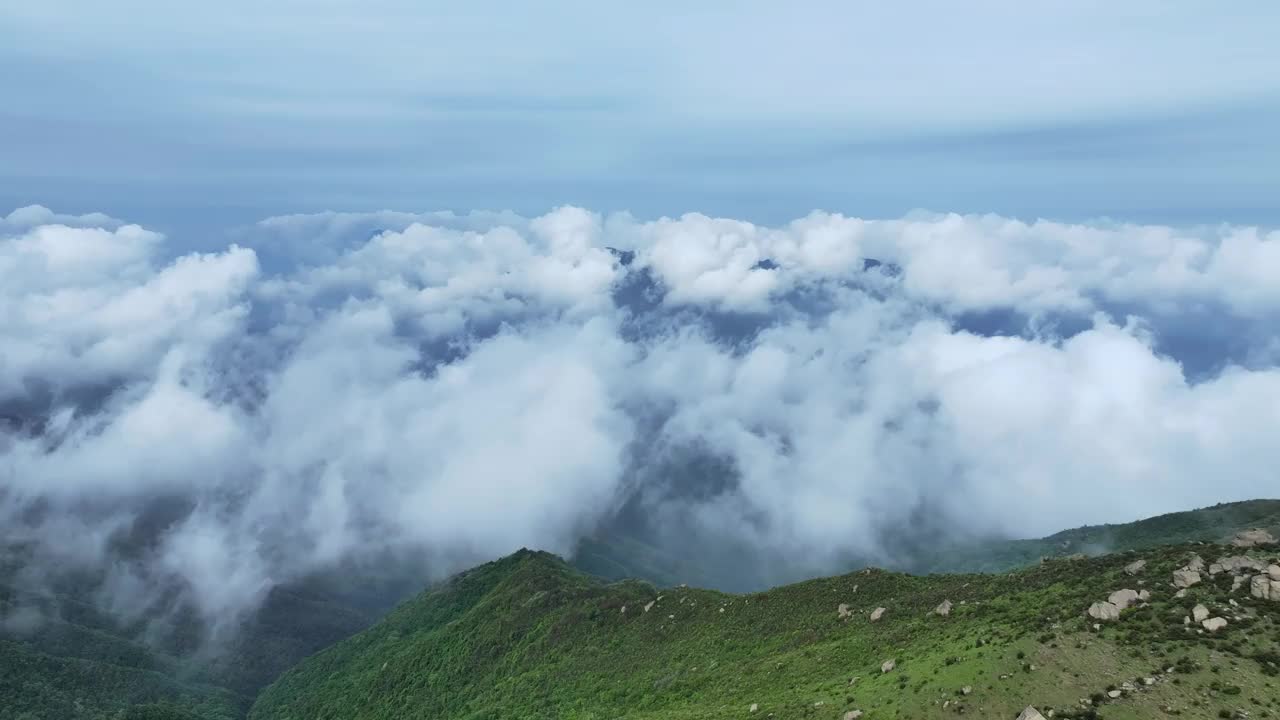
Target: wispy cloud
(463,385)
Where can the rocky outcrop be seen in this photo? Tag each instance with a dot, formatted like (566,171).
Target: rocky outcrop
(1135,567)
(1214,624)
(1196,563)
(943,609)
(1253,538)
(1123,598)
(1236,564)
(877,614)
(1199,613)
(1104,611)
(1185,578)
(1265,587)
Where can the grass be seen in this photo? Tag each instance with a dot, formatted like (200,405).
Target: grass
(81,663)
(530,637)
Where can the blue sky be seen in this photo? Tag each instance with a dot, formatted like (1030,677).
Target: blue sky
(187,116)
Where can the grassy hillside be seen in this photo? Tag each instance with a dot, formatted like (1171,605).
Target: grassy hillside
(528,636)
(63,659)
(77,662)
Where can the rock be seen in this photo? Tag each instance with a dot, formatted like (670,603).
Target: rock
(877,614)
(1265,588)
(1195,564)
(1253,538)
(1144,595)
(843,611)
(1199,613)
(1148,681)
(888,665)
(1123,598)
(1186,619)
(1273,571)
(1030,713)
(943,609)
(1181,593)
(649,605)
(1235,564)
(1185,578)
(853,679)
(1113,694)
(754,707)
(853,715)
(1104,611)
(1135,567)
(966,690)
(1214,624)
(1237,581)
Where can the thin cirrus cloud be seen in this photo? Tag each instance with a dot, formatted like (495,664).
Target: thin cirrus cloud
(462,385)
(754,110)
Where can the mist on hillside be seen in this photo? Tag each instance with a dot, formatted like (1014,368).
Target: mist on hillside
(424,392)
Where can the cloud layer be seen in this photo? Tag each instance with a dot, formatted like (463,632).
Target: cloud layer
(335,387)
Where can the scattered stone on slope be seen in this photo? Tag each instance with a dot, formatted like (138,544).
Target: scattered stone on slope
(1195,564)
(966,689)
(1144,595)
(1253,538)
(843,611)
(754,707)
(1135,567)
(1199,613)
(888,665)
(1181,593)
(853,715)
(1030,713)
(1123,598)
(943,609)
(877,614)
(649,605)
(1185,578)
(1214,624)
(1239,580)
(1235,564)
(1104,611)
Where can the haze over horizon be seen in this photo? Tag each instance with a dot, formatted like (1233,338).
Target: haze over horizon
(187,117)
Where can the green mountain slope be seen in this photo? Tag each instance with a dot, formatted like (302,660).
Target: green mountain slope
(528,636)
(80,663)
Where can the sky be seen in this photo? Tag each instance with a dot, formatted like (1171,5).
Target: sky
(291,285)
(194,116)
